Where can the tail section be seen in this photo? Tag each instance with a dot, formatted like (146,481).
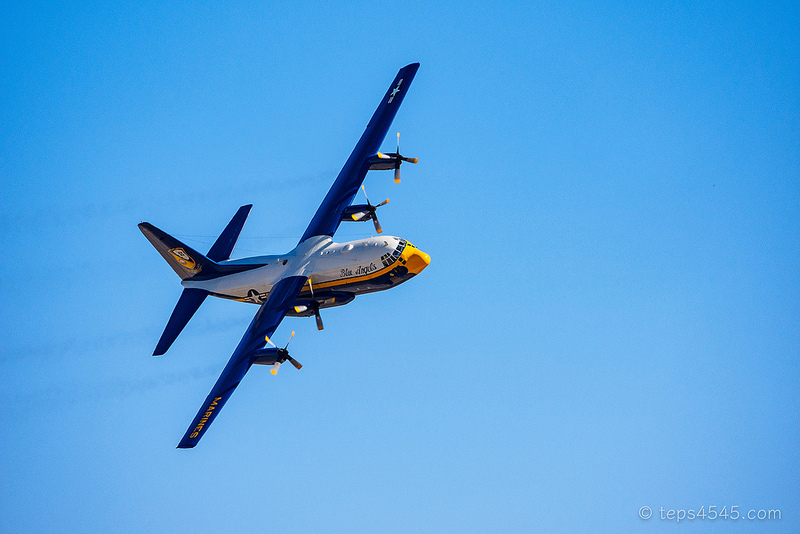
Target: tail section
(223,246)
(189,263)
(190,301)
(183,259)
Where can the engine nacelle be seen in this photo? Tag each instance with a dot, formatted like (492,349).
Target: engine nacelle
(358,212)
(304,307)
(383,162)
(269,356)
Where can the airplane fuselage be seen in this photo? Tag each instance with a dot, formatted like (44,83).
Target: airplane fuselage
(337,272)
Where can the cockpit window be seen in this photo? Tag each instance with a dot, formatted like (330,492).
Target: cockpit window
(391,257)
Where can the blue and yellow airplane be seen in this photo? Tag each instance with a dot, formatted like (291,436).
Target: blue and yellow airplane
(318,273)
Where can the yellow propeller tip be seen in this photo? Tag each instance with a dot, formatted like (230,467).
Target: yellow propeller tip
(273,371)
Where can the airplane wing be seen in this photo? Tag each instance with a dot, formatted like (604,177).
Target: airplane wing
(344,189)
(263,324)
(325,222)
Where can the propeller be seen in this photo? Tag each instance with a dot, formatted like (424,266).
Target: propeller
(400,159)
(315,302)
(372,212)
(283,355)
(318,317)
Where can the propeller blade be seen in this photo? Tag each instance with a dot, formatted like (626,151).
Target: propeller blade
(275,367)
(411,160)
(398,143)
(365,194)
(290,340)
(397,174)
(294,362)
(318,317)
(377,226)
(382,203)
(270,341)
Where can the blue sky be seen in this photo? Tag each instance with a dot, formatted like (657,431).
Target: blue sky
(610,195)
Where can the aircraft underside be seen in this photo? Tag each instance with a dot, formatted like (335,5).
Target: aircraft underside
(317,273)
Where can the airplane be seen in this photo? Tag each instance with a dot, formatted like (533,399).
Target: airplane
(318,273)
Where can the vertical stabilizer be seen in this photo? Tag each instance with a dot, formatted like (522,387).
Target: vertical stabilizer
(183,259)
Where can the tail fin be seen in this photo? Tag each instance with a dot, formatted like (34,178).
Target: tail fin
(189,263)
(183,259)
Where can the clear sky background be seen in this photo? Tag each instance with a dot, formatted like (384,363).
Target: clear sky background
(610,195)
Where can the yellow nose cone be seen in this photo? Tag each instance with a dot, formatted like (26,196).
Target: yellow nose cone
(417,261)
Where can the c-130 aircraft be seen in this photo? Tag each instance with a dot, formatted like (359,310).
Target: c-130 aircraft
(318,273)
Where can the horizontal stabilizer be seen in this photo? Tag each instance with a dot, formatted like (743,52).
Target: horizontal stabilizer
(223,246)
(187,305)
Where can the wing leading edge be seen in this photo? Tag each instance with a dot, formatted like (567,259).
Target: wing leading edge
(341,193)
(265,322)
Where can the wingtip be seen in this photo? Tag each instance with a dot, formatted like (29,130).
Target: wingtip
(186,443)
(410,67)
(161,349)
